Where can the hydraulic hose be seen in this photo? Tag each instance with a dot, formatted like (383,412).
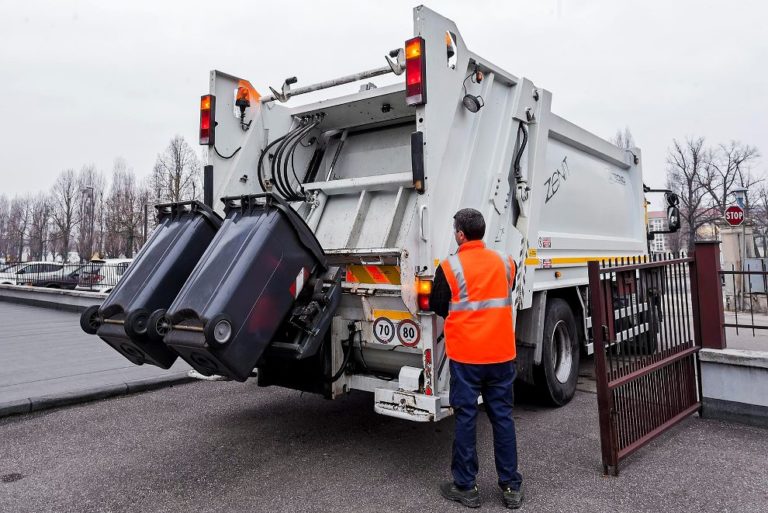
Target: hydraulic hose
(347,354)
(289,160)
(259,166)
(523,144)
(276,182)
(284,188)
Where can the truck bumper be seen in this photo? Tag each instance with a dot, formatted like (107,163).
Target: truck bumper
(411,406)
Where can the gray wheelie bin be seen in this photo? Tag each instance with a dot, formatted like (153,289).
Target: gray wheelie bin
(244,287)
(131,318)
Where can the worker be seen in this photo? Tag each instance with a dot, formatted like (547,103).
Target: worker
(472,290)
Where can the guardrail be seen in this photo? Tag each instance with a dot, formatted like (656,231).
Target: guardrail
(91,276)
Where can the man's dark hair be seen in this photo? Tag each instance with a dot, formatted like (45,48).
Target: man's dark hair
(471,222)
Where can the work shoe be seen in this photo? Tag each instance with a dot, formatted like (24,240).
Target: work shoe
(469,498)
(512,499)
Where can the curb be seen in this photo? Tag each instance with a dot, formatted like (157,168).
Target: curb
(56,299)
(46,402)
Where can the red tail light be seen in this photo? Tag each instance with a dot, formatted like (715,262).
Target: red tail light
(423,290)
(415,72)
(207,120)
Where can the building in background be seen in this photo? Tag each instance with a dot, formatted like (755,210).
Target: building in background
(657,221)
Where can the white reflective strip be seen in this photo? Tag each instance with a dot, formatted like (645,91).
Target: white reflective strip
(473,306)
(507,267)
(458,273)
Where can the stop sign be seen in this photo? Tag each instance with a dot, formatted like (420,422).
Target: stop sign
(734,215)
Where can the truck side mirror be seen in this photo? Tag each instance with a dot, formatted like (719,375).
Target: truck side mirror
(673,212)
(673,218)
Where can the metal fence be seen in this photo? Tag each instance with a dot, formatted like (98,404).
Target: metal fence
(91,276)
(646,335)
(748,295)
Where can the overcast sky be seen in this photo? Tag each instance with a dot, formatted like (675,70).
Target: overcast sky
(86,82)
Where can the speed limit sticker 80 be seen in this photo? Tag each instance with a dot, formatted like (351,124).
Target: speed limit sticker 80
(408,332)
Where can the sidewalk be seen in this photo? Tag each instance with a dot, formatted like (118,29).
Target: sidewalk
(48,361)
(745,339)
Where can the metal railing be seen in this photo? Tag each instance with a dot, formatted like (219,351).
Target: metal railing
(646,339)
(91,276)
(747,288)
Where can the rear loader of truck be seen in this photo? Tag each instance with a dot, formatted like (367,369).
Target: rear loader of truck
(330,219)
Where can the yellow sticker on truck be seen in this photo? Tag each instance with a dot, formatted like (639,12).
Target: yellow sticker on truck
(373,274)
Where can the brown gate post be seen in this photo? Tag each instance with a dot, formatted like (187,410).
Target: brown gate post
(710,294)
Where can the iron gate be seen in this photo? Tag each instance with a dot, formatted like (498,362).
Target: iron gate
(646,340)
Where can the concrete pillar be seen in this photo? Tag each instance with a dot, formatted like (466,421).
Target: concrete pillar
(709,295)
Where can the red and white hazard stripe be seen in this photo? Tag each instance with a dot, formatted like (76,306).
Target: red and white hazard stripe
(299,282)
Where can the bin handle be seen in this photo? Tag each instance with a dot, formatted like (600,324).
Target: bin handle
(422,212)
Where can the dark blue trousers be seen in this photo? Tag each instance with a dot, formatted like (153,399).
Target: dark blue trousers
(493,382)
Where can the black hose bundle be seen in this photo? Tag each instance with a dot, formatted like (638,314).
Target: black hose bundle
(283,156)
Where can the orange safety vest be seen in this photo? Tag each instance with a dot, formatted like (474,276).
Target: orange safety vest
(479,327)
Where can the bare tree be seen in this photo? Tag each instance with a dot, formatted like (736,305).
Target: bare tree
(623,139)
(91,187)
(686,175)
(5,213)
(728,167)
(124,216)
(39,224)
(176,174)
(18,226)
(65,198)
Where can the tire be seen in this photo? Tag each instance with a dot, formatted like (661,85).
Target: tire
(558,372)
(158,325)
(215,330)
(136,323)
(90,320)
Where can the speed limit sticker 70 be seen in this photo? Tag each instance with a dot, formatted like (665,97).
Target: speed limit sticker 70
(408,332)
(383,330)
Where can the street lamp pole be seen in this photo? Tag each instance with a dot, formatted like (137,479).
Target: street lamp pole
(741,198)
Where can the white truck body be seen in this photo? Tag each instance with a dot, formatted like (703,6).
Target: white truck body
(576,198)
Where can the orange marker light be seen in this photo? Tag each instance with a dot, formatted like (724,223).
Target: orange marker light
(413,49)
(423,290)
(205,103)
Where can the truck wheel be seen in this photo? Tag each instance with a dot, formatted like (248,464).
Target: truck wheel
(559,370)
(90,320)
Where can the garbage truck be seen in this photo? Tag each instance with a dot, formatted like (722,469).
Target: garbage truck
(310,261)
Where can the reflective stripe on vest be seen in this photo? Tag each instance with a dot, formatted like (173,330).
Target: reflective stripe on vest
(458,273)
(463,304)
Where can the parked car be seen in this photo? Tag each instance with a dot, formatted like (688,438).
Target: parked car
(68,278)
(26,273)
(102,275)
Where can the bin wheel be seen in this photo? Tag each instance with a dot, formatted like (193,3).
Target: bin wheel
(218,331)
(158,325)
(136,323)
(90,320)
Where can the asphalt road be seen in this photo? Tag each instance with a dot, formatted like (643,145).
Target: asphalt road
(223,446)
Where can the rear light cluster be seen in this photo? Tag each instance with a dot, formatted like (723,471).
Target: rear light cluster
(423,290)
(415,72)
(207,120)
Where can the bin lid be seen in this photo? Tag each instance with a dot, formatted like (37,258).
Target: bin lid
(269,200)
(195,207)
